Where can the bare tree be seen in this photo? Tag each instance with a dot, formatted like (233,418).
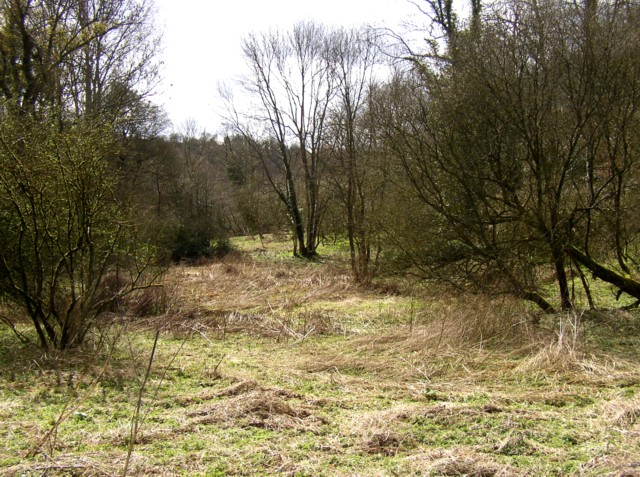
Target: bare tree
(355,59)
(290,80)
(115,69)
(520,152)
(76,56)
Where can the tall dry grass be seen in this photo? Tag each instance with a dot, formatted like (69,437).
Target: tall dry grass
(291,300)
(239,284)
(463,323)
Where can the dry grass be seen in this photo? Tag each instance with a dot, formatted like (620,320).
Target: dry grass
(236,284)
(623,414)
(468,322)
(250,405)
(460,462)
(278,367)
(289,301)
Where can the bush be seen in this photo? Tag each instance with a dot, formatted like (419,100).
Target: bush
(196,241)
(64,232)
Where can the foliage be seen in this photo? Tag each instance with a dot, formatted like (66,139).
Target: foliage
(63,229)
(195,241)
(516,149)
(71,75)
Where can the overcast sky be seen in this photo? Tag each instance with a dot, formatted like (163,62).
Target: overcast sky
(202,42)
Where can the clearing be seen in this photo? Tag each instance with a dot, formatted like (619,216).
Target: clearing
(269,365)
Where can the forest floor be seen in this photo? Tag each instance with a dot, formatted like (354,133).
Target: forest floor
(269,365)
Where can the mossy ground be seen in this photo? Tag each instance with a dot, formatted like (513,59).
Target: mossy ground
(267,365)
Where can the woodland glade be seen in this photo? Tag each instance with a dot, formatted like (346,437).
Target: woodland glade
(404,257)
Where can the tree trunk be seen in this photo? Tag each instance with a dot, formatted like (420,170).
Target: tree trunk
(536,298)
(561,276)
(625,283)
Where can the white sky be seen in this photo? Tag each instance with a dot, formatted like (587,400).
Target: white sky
(202,43)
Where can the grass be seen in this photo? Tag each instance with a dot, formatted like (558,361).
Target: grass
(267,365)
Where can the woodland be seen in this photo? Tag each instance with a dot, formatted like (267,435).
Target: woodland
(403,257)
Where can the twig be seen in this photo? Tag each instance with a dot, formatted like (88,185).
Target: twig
(46,468)
(201,333)
(302,337)
(215,369)
(23,339)
(135,421)
(420,371)
(164,374)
